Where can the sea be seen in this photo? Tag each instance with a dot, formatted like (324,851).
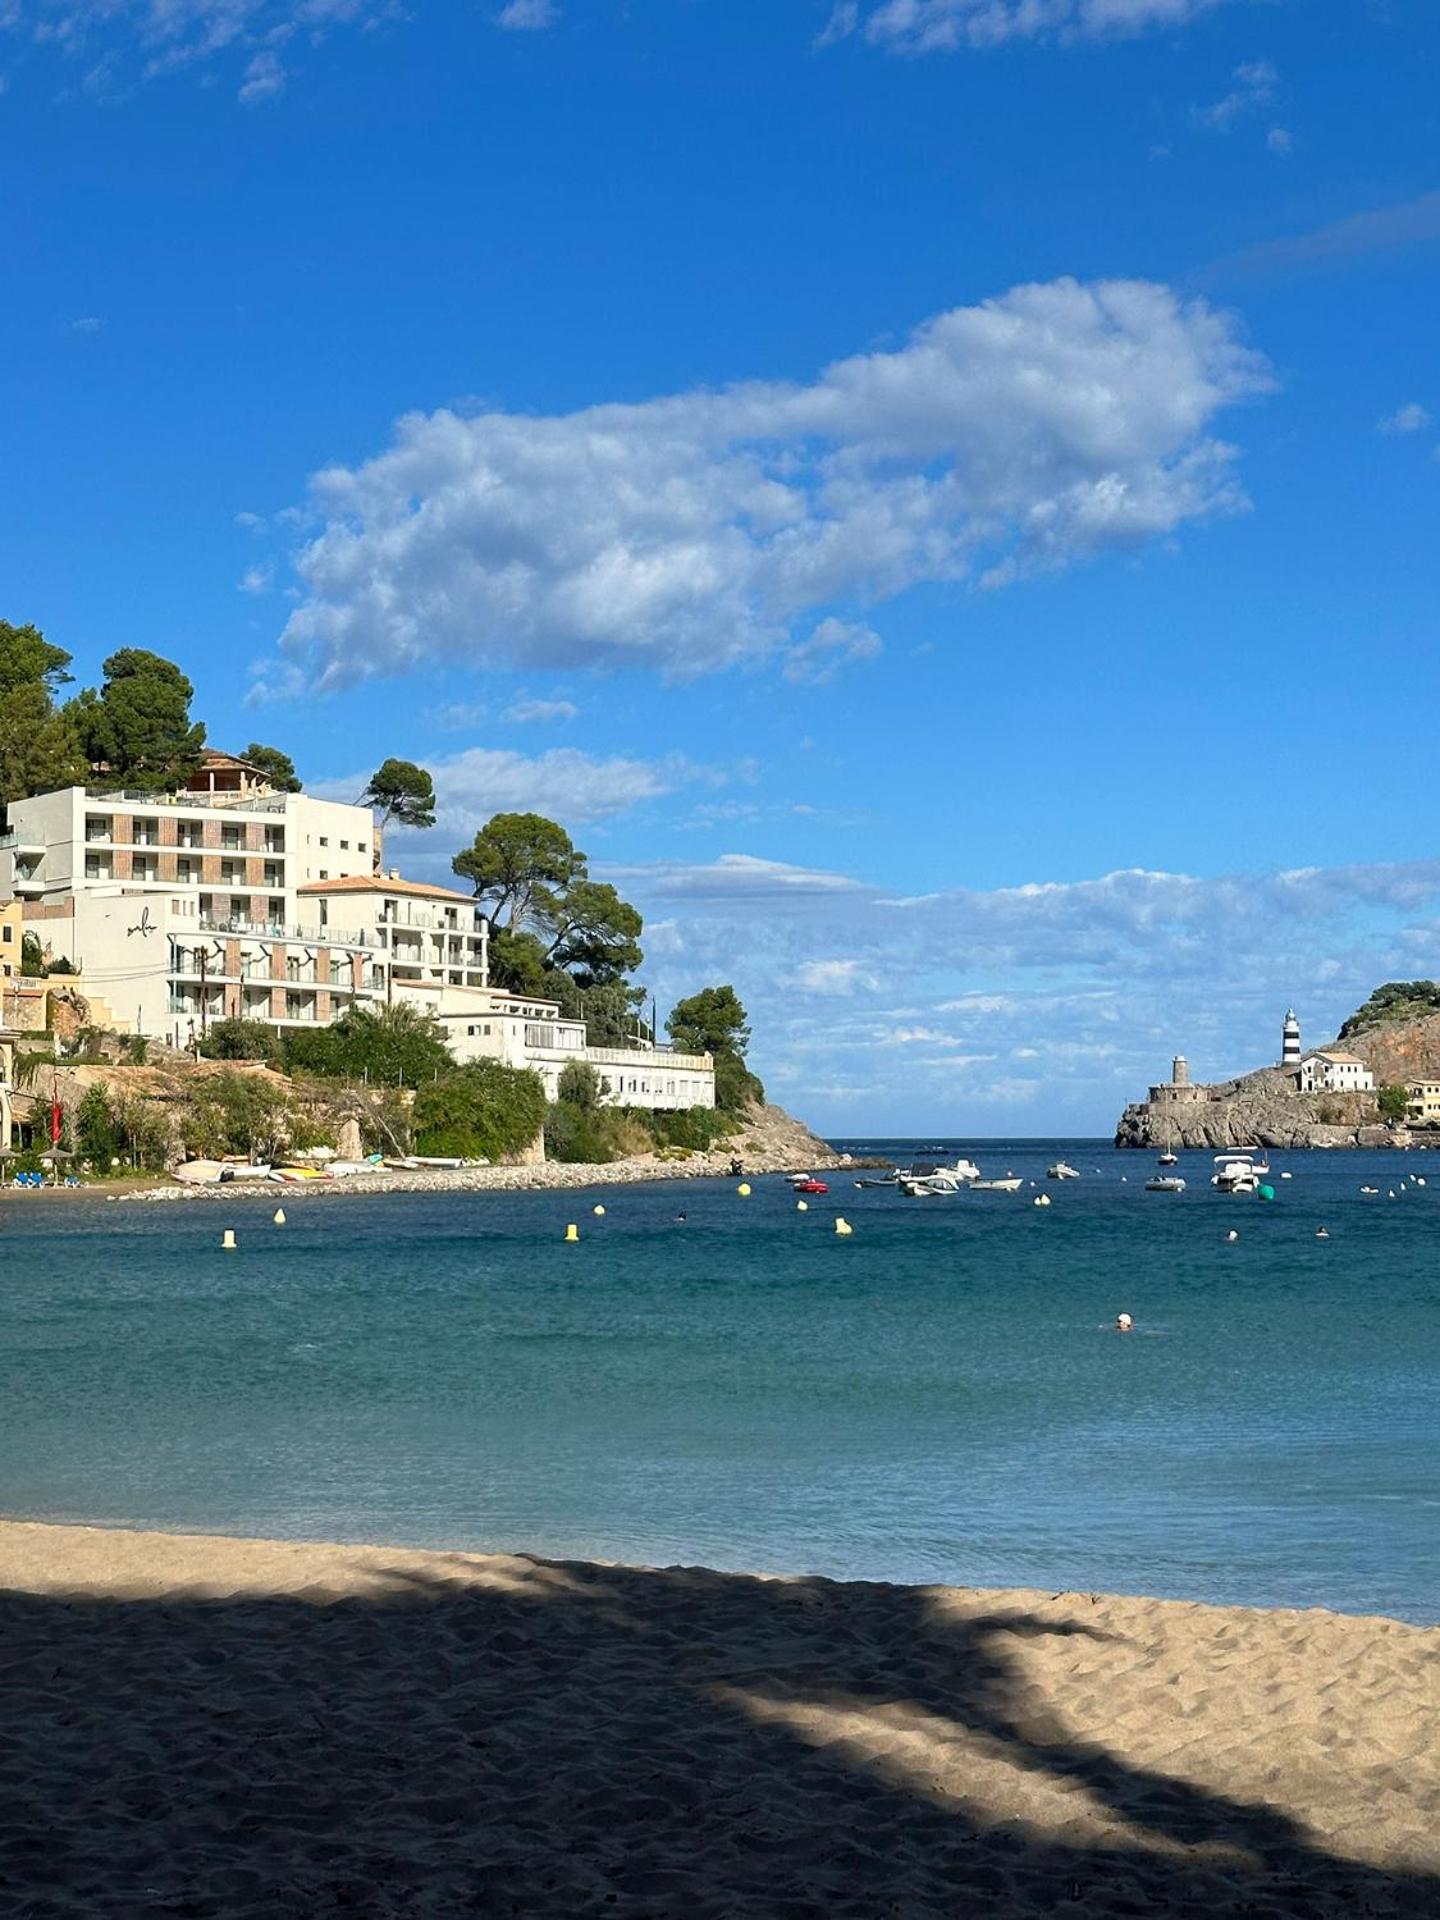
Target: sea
(717,1378)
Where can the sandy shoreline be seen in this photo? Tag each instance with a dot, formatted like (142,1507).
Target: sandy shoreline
(215,1726)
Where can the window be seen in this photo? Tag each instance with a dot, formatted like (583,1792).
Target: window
(344,846)
(324,840)
(146,833)
(324,873)
(275,909)
(186,869)
(9,933)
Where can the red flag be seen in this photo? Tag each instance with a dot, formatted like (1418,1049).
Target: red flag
(55,1123)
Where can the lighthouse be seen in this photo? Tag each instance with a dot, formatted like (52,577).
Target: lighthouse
(1290,1041)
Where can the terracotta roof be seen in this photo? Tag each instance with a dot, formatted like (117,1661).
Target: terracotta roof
(1341,1059)
(379,883)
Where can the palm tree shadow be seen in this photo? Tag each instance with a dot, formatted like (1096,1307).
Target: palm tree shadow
(554,1738)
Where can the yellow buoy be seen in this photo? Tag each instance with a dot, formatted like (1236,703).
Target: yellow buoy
(572,1232)
(228,1243)
(279,1216)
(843,1226)
(743,1189)
(802,1206)
(598,1212)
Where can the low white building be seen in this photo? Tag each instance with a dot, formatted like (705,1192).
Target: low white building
(1331,1071)
(433,953)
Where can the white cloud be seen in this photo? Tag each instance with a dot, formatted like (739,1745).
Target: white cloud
(1409,223)
(527,16)
(1255,83)
(943,26)
(1280,140)
(1411,418)
(565,783)
(154,37)
(1082,989)
(87,324)
(256,580)
(527,711)
(455,716)
(818,659)
(705,528)
(832,977)
(264,79)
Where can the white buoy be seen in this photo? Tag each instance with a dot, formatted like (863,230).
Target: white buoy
(599,1212)
(228,1243)
(279,1216)
(802,1206)
(1232,1235)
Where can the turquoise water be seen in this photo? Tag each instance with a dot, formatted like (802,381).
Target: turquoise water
(937,1398)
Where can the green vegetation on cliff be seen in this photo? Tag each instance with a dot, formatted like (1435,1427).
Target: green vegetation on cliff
(1396,1000)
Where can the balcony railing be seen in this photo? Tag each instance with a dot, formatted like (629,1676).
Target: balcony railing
(279,930)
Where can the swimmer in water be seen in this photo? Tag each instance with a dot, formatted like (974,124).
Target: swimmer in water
(1123,1323)
(679,1219)
(1322,1233)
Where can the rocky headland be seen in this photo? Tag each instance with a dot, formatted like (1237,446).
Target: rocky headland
(1266,1108)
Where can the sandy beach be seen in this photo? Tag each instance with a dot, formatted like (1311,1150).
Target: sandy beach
(223,1727)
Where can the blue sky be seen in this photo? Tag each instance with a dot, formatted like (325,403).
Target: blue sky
(939,495)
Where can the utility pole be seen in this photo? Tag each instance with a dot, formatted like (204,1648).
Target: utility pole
(204,1001)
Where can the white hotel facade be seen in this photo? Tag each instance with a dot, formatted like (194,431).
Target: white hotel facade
(232,901)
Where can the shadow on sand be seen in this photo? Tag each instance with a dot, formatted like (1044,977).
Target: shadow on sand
(574,1740)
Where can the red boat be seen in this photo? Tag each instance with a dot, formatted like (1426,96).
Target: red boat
(811,1186)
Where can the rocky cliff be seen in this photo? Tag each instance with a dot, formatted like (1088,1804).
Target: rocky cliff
(1265,1108)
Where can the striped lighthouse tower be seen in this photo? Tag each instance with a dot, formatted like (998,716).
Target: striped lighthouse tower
(1290,1041)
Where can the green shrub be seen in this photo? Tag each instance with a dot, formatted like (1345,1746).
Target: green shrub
(112,1127)
(694,1128)
(585,1136)
(1393,1102)
(242,1040)
(579,1086)
(238,1113)
(736,1088)
(399,1046)
(483,1111)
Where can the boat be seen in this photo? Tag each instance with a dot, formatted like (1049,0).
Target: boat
(1238,1171)
(810,1185)
(1012,1185)
(1061,1171)
(1169,1158)
(1164,1183)
(888,1180)
(921,1180)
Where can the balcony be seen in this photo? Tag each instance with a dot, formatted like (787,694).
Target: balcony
(16,842)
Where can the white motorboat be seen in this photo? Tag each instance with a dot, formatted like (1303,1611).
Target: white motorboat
(1010,1185)
(1164,1183)
(1061,1171)
(1238,1172)
(919,1181)
(1169,1158)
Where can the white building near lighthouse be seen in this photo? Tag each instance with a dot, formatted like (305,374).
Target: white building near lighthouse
(1331,1071)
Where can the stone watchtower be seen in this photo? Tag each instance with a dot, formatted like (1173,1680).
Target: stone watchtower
(1290,1041)
(1179,1071)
